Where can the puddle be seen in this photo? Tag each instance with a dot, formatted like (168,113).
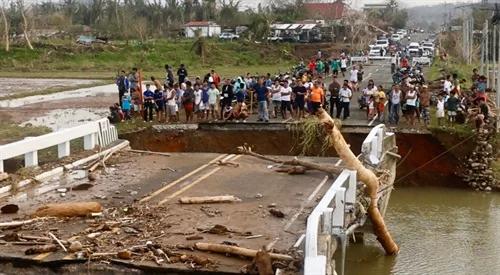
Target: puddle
(56,184)
(66,118)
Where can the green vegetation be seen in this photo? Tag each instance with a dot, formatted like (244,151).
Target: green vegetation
(133,125)
(440,69)
(62,58)
(12,132)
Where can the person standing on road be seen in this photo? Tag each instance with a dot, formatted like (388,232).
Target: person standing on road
(170,101)
(334,89)
(316,96)
(123,86)
(148,103)
(380,103)
(394,104)
(213,94)
(343,65)
(262,92)
(335,66)
(276,98)
(159,104)
(345,95)
(188,98)
(227,95)
(300,92)
(286,96)
(354,79)
(411,105)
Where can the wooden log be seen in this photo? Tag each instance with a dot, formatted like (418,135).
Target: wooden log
(70,209)
(58,241)
(16,223)
(41,249)
(293,162)
(150,152)
(240,251)
(208,199)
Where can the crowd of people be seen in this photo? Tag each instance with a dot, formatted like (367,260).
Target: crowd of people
(299,94)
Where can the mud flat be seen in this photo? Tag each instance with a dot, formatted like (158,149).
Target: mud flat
(13,86)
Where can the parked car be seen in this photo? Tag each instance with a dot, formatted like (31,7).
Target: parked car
(396,37)
(275,38)
(375,51)
(228,36)
(414,48)
(382,43)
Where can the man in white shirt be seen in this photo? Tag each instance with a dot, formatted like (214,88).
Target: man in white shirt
(286,93)
(395,104)
(345,95)
(276,98)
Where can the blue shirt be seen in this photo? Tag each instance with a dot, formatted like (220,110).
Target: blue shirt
(126,103)
(204,95)
(261,92)
(158,97)
(148,93)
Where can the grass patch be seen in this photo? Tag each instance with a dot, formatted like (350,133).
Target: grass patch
(133,125)
(12,132)
(459,130)
(440,69)
(66,60)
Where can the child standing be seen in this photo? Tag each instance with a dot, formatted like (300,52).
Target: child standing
(440,109)
(126,103)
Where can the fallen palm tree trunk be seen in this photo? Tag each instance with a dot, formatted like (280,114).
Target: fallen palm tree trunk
(240,251)
(70,209)
(293,162)
(364,175)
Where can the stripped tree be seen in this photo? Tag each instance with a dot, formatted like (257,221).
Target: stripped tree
(5,26)
(24,24)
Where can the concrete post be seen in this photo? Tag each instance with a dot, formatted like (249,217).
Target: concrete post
(89,142)
(487,55)
(63,149)
(497,75)
(31,159)
(494,44)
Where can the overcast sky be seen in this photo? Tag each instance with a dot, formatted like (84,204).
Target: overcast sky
(360,3)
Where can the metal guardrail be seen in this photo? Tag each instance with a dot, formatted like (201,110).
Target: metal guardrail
(98,132)
(328,218)
(363,59)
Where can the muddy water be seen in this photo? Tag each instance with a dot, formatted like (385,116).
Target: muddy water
(439,230)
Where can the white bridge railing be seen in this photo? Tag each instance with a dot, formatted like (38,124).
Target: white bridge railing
(98,132)
(328,218)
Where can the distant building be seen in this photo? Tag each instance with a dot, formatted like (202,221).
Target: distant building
(326,11)
(206,29)
(369,7)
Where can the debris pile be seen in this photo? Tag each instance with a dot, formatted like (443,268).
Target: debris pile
(478,173)
(137,234)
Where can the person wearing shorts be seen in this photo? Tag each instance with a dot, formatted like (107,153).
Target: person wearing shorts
(316,97)
(343,65)
(411,105)
(213,94)
(300,92)
(170,102)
